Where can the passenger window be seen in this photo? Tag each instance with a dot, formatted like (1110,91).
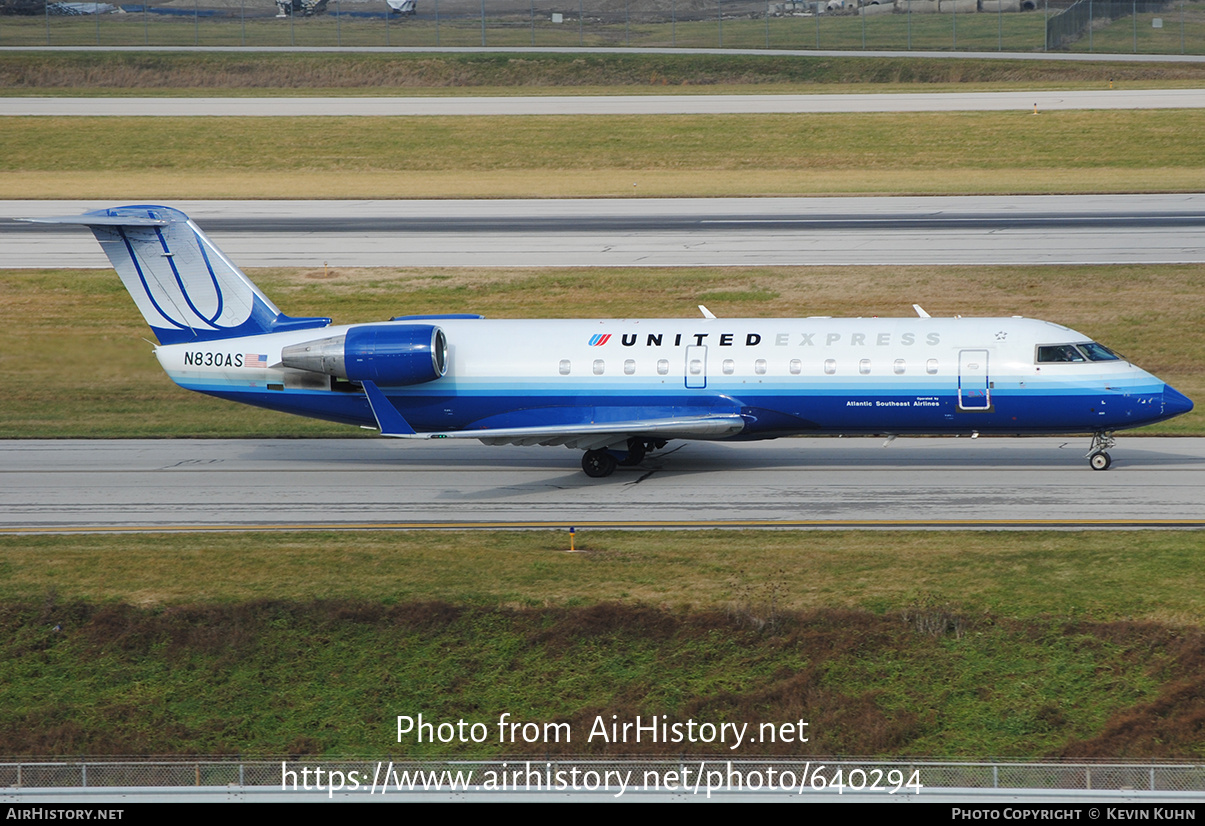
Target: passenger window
(564,367)
(830,366)
(696,367)
(629,367)
(600,367)
(864,367)
(900,366)
(729,367)
(662,367)
(796,367)
(759,367)
(931,367)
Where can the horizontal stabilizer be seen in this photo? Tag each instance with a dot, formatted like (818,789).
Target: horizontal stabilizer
(101,219)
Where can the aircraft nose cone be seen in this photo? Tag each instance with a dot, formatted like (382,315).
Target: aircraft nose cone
(1175,402)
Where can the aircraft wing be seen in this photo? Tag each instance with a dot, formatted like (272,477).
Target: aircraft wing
(576,435)
(590,437)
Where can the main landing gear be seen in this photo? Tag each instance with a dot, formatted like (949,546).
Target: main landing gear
(601,463)
(1098,458)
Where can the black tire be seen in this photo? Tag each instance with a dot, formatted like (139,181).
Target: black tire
(598,464)
(1100,461)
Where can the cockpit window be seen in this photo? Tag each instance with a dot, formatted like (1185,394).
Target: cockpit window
(1080,352)
(1055,353)
(1098,352)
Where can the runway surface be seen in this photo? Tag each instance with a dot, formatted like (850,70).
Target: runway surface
(187,485)
(1094,229)
(604,104)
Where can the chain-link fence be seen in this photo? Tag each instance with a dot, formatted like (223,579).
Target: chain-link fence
(1084,18)
(1170,27)
(817,773)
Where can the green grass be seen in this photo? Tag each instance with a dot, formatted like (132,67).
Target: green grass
(205,680)
(117,680)
(100,380)
(1093,576)
(892,643)
(86,73)
(970,152)
(939,143)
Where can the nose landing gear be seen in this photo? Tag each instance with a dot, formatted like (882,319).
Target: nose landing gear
(1098,457)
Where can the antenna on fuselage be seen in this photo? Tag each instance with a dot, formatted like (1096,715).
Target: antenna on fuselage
(706,312)
(920,311)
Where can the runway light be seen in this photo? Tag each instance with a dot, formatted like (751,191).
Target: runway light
(572,532)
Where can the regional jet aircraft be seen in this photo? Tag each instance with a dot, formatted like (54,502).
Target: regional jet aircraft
(617,388)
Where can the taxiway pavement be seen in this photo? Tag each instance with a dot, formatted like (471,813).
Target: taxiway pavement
(349,106)
(970,230)
(188,485)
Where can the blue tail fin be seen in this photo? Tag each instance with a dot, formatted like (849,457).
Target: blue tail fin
(186,289)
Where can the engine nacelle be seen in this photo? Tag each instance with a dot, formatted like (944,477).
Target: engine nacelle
(388,354)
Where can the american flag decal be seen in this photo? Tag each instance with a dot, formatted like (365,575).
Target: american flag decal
(599,339)
(255,360)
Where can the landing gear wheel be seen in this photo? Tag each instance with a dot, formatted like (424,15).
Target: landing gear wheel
(598,464)
(636,452)
(1098,458)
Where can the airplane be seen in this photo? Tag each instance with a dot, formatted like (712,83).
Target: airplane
(617,388)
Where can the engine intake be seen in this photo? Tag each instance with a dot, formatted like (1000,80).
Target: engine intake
(387,354)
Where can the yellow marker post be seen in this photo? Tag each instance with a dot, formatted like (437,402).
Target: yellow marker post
(572,531)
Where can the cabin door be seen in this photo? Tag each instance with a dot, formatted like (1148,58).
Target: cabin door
(696,366)
(974,389)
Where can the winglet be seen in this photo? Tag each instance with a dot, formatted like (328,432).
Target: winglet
(388,419)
